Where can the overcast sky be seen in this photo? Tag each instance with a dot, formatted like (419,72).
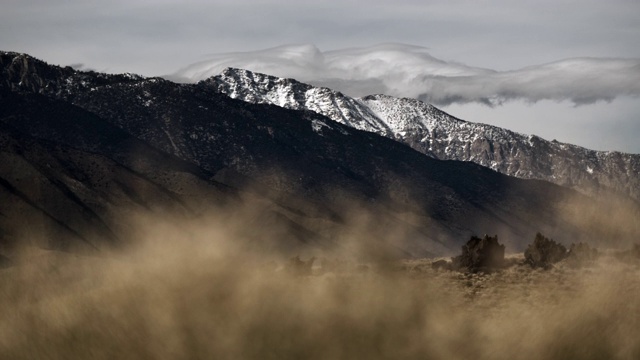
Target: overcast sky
(565,70)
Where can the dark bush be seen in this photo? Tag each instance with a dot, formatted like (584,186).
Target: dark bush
(480,254)
(544,252)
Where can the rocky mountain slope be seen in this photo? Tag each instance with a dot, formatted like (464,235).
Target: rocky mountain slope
(442,136)
(82,151)
(69,180)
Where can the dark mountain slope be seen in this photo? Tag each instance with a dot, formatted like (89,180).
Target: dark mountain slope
(73,181)
(65,168)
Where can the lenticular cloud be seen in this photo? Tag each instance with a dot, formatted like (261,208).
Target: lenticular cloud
(409,71)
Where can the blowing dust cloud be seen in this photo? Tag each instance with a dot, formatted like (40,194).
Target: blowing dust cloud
(198,290)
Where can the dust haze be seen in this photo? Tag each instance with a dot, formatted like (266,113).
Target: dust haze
(213,288)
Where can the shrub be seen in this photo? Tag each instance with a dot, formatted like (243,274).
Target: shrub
(480,254)
(544,252)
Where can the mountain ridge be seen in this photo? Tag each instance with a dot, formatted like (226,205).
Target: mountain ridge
(440,135)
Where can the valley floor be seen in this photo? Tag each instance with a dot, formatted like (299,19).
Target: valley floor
(201,303)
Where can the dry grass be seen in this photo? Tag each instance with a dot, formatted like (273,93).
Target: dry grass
(202,298)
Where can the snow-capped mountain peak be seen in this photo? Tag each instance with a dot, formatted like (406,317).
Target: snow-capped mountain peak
(292,94)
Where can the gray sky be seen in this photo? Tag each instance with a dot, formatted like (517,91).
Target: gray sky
(561,69)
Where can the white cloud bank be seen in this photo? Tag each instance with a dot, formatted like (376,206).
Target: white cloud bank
(409,71)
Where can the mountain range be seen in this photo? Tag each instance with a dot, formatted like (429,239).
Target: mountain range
(84,153)
(437,134)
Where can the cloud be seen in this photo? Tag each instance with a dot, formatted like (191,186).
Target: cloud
(410,71)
